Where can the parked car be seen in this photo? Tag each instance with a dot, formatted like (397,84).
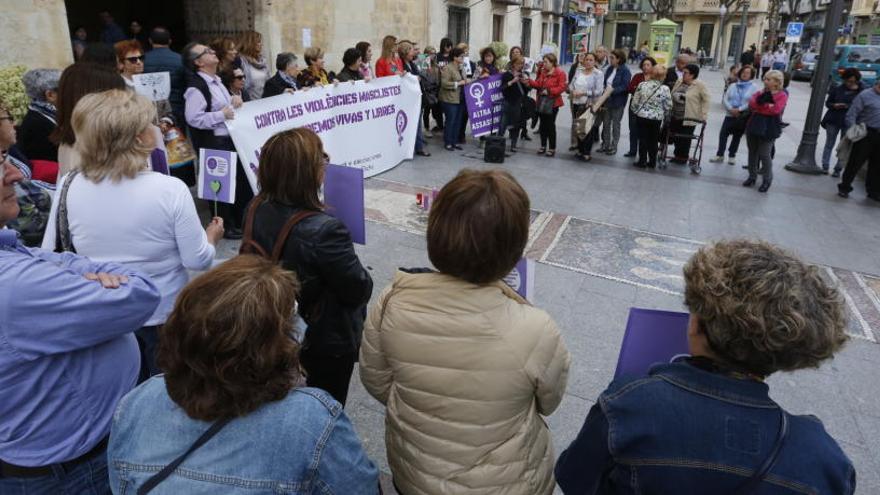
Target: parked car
(866,58)
(803,65)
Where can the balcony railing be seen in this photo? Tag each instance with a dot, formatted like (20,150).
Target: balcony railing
(627,6)
(553,7)
(532,4)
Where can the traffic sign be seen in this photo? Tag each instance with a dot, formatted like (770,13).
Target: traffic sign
(793,32)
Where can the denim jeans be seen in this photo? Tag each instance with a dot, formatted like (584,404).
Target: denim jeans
(724,134)
(452,116)
(831,132)
(611,126)
(86,478)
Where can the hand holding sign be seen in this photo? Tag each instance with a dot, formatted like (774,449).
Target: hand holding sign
(217,170)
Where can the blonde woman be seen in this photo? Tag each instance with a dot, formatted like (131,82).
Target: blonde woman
(115,209)
(314,74)
(256,70)
(586,87)
(390,63)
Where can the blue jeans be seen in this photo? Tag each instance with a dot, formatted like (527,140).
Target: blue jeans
(724,134)
(452,114)
(831,132)
(87,478)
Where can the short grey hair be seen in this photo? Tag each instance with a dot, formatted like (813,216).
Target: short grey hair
(38,81)
(284,59)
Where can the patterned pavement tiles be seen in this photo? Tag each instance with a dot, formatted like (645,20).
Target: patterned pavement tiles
(613,252)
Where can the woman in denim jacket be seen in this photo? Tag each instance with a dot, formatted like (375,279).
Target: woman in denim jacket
(706,424)
(227,355)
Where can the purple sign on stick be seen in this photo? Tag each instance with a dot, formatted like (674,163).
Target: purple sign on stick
(484,105)
(651,337)
(159,161)
(217,169)
(344,198)
(522,278)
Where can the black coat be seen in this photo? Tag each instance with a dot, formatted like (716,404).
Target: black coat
(275,86)
(335,287)
(671,77)
(33,137)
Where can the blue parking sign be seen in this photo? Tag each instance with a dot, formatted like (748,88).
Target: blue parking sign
(793,32)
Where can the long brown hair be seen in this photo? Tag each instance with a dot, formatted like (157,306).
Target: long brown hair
(292,168)
(76,81)
(247,45)
(227,349)
(389,43)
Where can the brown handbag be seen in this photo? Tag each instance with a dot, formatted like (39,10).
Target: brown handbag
(250,246)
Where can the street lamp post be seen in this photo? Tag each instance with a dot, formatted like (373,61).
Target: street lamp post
(722,11)
(805,161)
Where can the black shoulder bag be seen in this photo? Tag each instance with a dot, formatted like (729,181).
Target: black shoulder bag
(159,477)
(63,241)
(750,485)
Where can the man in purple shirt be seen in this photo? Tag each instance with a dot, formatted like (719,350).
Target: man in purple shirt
(208,105)
(67,355)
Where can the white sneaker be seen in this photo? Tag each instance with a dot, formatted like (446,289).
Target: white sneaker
(717,159)
(731,161)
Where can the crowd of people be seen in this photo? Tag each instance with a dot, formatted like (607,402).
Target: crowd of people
(117,369)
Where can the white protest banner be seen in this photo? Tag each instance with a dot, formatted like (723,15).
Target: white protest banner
(368,125)
(155,85)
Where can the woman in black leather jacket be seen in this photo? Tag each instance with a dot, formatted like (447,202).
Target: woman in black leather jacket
(335,286)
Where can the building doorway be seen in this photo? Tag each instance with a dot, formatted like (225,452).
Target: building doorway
(625,35)
(704,38)
(735,41)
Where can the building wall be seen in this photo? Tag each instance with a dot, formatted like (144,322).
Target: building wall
(35,34)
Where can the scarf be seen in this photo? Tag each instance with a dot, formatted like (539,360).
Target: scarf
(287,79)
(45,109)
(259,64)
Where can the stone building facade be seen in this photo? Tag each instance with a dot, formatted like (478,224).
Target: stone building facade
(42,28)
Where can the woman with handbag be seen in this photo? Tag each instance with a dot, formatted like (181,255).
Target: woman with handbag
(586,88)
(707,420)
(840,97)
(514,88)
(647,65)
(550,83)
(736,102)
(651,104)
(287,219)
(690,104)
(451,96)
(763,128)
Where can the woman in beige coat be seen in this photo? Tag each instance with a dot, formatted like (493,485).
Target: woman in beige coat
(690,105)
(464,365)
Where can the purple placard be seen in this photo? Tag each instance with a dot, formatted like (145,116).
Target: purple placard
(159,161)
(484,104)
(344,198)
(522,278)
(217,170)
(651,337)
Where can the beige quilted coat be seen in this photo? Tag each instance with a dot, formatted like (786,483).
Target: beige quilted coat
(465,371)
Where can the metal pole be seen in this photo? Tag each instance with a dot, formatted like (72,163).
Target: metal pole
(742,31)
(718,64)
(805,161)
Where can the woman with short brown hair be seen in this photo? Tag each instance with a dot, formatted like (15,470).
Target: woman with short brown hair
(229,359)
(318,248)
(708,420)
(464,365)
(227,53)
(314,74)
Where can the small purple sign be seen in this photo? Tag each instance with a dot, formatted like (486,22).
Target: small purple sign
(217,169)
(651,337)
(522,278)
(484,105)
(159,161)
(344,199)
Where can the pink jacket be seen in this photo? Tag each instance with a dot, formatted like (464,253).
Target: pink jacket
(770,109)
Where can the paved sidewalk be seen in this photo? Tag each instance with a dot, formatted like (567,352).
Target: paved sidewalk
(608,236)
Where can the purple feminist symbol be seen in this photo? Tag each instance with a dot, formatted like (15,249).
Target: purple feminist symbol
(401,125)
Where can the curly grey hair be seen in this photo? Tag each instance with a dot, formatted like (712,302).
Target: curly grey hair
(38,81)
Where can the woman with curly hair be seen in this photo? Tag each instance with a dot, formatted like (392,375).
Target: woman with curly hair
(231,370)
(708,420)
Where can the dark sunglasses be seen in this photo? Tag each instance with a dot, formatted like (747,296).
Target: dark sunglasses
(134,60)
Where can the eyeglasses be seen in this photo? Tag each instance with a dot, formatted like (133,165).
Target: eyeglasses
(134,60)
(207,51)
(9,118)
(240,78)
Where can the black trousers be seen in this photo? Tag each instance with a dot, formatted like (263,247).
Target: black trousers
(329,373)
(548,129)
(148,343)
(865,150)
(649,136)
(682,146)
(633,133)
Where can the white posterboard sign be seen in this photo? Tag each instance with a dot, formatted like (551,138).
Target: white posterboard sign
(307,38)
(155,85)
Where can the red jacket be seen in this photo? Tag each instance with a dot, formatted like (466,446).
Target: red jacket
(384,68)
(776,108)
(634,82)
(555,83)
